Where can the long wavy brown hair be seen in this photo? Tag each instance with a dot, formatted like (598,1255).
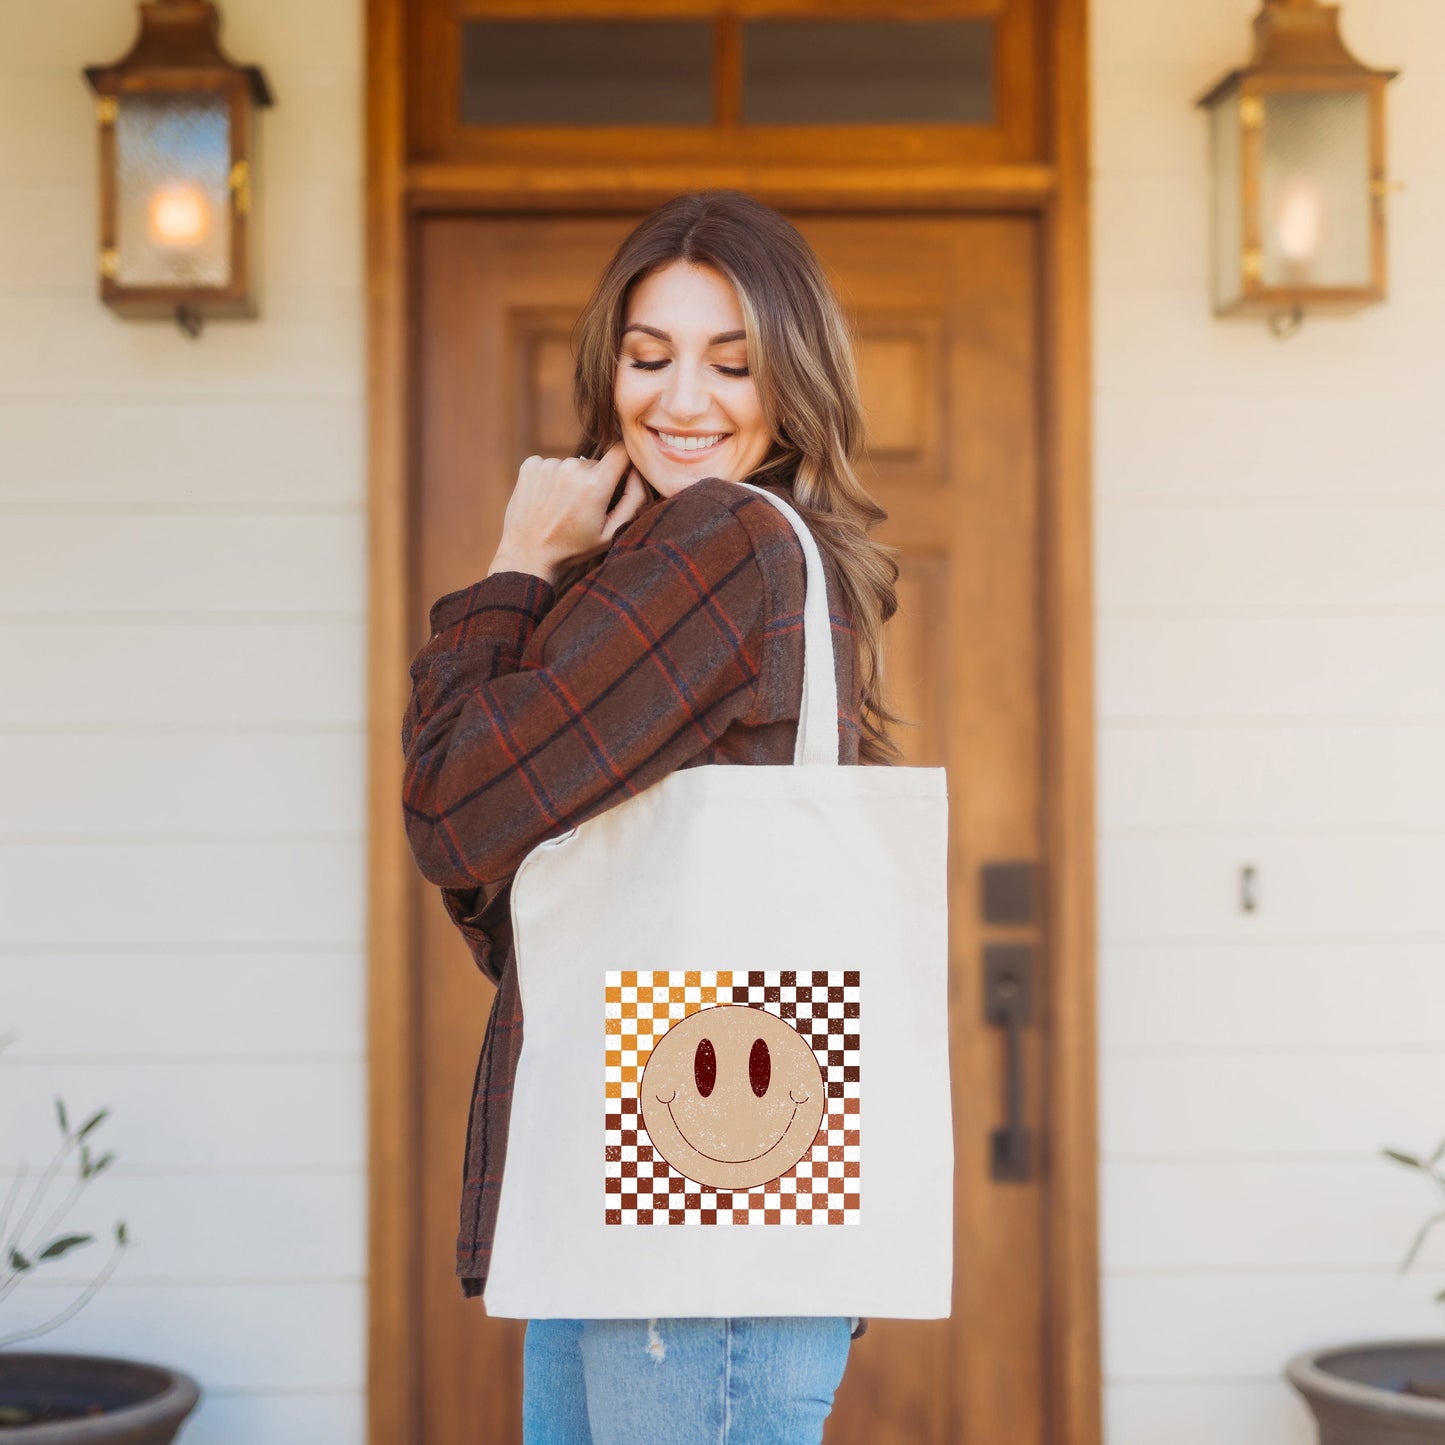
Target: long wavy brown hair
(800,354)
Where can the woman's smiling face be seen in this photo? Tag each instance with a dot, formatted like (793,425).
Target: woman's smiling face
(685,399)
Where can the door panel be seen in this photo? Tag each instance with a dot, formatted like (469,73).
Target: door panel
(945,313)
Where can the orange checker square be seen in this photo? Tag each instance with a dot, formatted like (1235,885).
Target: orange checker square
(629,980)
(692,978)
(629,1010)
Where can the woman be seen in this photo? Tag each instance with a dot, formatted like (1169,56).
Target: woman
(643,614)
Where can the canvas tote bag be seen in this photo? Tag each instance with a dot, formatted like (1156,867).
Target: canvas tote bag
(732,1096)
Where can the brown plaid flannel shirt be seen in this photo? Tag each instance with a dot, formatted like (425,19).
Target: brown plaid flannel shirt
(531,713)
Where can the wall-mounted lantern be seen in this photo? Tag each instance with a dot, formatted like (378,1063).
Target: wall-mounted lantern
(177,170)
(1298,139)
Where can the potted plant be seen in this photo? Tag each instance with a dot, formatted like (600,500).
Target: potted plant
(49,1398)
(1389,1393)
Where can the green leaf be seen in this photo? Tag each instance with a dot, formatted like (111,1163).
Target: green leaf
(1400,1157)
(120,1232)
(18,1260)
(107,1158)
(84,1161)
(91,1122)
(1420,1239)
(64,1245)
(64,1126)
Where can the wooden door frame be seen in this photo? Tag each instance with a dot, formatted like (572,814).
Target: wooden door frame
(1058,192)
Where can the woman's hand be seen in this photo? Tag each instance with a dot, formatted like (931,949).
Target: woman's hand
(557,513)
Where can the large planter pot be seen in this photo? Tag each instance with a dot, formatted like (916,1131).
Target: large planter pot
(128,1403)
(1375,1394)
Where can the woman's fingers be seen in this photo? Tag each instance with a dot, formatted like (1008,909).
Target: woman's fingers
(612,464)
(629,504)
(558,512)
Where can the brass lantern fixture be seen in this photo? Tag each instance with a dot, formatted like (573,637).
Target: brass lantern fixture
(177,158)
(1298,143)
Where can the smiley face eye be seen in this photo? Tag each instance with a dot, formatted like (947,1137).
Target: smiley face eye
(704,1067)
(760,1068)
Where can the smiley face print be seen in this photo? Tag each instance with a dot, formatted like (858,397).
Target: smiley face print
(732,1096)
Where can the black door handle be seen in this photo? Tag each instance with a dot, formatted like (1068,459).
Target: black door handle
(1007,986)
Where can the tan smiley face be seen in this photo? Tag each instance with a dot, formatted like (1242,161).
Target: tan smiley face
(732,1097)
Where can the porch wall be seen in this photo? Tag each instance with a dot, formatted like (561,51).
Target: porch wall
(1271,629)
(182,598)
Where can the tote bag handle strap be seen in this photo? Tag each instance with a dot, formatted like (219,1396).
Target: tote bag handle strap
(818,740)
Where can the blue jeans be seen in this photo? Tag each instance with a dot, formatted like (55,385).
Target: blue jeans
(681,1381)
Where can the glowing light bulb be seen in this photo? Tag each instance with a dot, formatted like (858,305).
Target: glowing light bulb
(179,215)
(1300,215)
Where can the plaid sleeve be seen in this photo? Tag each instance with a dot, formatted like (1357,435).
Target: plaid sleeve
(526,721)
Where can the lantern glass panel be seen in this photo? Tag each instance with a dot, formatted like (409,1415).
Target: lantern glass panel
(1228,204)
(1315,189)
(173,194)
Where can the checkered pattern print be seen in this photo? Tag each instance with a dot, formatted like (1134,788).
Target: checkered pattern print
(823,1187)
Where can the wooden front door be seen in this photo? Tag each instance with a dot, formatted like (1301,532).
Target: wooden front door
(947,318)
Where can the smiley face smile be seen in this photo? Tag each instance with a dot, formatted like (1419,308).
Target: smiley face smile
(732,1096)
(714,1157)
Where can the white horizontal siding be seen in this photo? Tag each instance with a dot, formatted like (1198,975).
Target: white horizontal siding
(55,342)
(1273,1214)
(273,1336)
(320,246)
(1271,623)
(255,1112)
(1171,556)
(221,782)
(1307,668)
(183,671)
(304,1223)
(291,890)
(61,564)
(1384,885)
(1161,339)
(1260,1412)
(228,996)
(299,1418)
(303,34)
(1286,995)
(270,454)
(1273,778)
(182,772)
(1246,1324)
(313,133)
(1277,1105)
(1239,448)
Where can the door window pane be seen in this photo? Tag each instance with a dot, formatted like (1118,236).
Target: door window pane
(586,72)
(867,72)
